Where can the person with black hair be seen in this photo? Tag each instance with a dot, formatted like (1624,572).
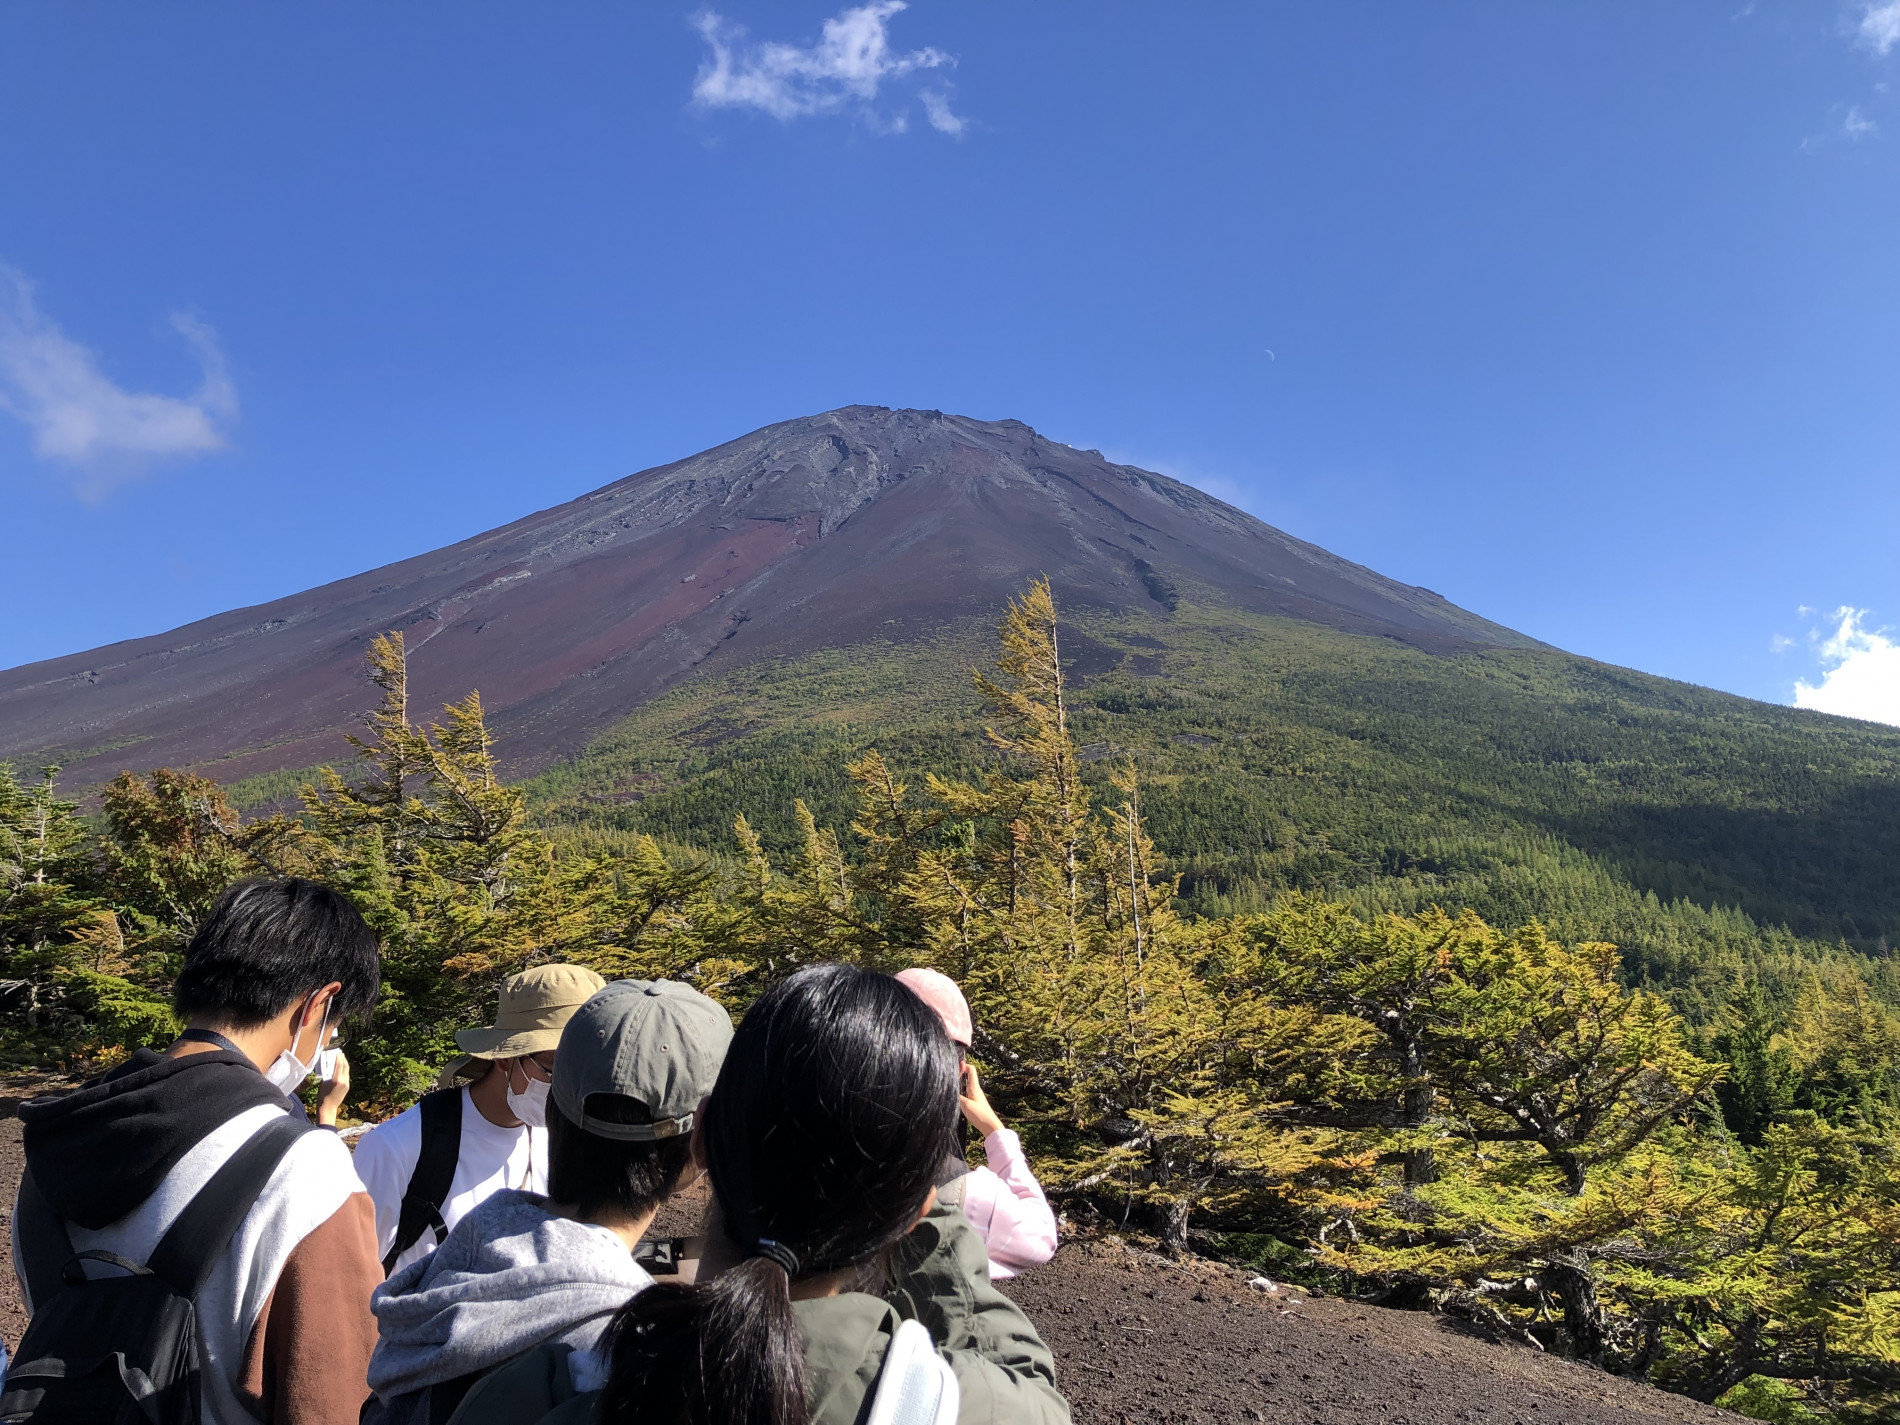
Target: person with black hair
(522,1271)
(823,1137)
(1002,1199)
(280,1305)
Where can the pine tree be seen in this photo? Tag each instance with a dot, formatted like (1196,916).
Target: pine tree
(1759,1088)
(437,852)
(1545,1046)
(1099,1029)
(173,843)
(1845,1052)
(62,946)
(1396,976)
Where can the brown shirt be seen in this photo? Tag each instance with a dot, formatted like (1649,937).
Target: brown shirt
(307,1362)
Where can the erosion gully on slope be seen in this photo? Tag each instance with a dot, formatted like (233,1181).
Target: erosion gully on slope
(1140,1338)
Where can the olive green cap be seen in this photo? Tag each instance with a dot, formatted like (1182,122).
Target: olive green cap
(656,1041)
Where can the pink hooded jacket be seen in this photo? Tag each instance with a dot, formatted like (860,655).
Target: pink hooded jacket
(1004,1202)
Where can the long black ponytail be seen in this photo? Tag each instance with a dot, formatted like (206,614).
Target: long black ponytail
(824,1135)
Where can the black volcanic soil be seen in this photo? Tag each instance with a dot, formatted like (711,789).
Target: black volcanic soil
(12,1164)
(1138,1338)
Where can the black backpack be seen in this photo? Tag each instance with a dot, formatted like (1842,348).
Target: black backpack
(123,1349)
(434,1172)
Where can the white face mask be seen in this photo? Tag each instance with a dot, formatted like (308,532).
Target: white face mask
(288,1072)
(530,1107)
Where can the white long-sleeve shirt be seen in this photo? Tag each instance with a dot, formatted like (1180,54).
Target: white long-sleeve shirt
(1004,1202)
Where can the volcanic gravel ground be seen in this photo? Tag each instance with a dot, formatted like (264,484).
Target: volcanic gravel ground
(1139,1338)
(12,1164)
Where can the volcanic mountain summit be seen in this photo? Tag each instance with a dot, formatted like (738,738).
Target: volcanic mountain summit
(861,523)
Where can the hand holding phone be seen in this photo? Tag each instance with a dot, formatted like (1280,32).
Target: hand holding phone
(975,1104)
(333,1085)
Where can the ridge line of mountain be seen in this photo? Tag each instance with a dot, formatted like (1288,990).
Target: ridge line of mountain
(807,533)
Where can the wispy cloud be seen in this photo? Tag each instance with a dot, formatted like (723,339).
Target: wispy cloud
(937,109)
(1847,123)
(1861,672)
(84,420)
(1879,28)
(843,72)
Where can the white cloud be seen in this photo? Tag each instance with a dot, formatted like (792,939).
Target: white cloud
(1861,673)
(937,110)
(1847,123)
(83,419)
(842,72)
(1879,28)
(1780,643)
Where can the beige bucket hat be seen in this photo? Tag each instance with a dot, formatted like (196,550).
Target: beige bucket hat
(535,1005)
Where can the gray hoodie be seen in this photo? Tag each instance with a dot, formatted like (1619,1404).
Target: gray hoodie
(510,1276)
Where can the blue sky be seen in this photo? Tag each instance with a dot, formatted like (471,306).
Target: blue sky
(1586,316)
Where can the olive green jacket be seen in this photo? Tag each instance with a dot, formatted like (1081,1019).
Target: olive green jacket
(1005,1374)
(941,1279)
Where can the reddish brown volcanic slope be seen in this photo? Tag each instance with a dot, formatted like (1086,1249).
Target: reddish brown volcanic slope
(859,523)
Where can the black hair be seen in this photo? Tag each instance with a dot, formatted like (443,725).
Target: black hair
(267,944)
(595,1175)
(832,1113)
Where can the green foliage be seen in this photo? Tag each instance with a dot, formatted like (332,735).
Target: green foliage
(172,844)
(424,836)
(77,985)
(1765,1398)
(1257,997)
(1845,1051)
(1796,1269)
(1712,839)
(438,854)
(1760,1084)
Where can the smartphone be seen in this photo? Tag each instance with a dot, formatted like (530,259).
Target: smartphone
(325,1069)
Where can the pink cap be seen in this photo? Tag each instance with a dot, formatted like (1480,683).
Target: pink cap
(940,992)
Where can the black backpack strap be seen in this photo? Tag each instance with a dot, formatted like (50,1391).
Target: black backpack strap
(45,1244)
(434,1173)
(185,1254)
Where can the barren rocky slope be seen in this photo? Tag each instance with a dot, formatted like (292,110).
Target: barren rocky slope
(859,523)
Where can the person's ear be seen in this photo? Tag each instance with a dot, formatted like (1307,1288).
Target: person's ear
(309,1011)
(318,1005)
(699,1134)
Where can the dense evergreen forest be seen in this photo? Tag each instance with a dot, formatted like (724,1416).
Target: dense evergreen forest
(1501,982)
(1711,838)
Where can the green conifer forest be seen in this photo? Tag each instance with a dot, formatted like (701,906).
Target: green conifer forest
(1538,992)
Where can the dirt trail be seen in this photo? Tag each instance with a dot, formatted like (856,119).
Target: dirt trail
(1138,1338)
